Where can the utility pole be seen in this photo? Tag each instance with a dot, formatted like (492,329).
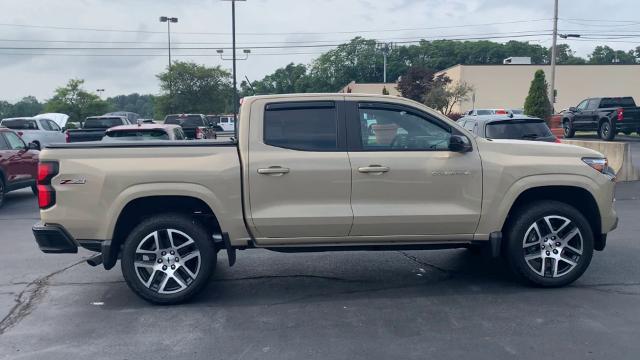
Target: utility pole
(554,50)
(235,82)
(386,49)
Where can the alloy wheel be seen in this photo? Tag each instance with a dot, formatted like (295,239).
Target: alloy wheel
(167,261)
(552,246)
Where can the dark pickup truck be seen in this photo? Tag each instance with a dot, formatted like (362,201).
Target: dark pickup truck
(606,115)
(194,126)
(94,128)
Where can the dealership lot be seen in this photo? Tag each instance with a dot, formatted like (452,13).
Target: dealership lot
(361,305)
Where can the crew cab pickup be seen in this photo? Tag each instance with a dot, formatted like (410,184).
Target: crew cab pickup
(608,116)
(323,172)
(94,128)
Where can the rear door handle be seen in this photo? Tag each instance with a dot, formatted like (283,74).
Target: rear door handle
(273,170)
(374,169)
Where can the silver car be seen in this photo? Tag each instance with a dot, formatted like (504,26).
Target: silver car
(41,132)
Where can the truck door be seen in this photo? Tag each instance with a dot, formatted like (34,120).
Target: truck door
(298,171)
(581,118)
(405,181)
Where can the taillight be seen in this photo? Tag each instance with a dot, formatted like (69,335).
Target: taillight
(46,194)
(620,114)
(67,137)
(198,133)
(501,112)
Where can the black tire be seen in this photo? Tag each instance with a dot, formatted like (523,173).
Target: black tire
(568,129)
(201,242)
(516,251)
(606,131)
(3,190)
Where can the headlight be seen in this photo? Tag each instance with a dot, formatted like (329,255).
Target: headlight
(599,164)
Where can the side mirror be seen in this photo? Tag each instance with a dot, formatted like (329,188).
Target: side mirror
(33,146)
(573,109)
(459,143)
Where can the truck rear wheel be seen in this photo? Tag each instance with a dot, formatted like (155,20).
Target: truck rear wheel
(168,259)
(549,244)
(606,131)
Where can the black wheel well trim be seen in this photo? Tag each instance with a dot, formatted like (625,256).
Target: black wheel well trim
(144,207)
(578,197)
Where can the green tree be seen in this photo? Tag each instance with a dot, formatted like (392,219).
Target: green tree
(566,56)
(195,89)
(607,55)
(443,97)
(27,106)
(74,101)
(139,104)
(418,82)
(289,79)
(537,103)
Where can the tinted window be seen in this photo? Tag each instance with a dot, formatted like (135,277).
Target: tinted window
(583,105)
(310,127)
(102,123)
(3,143)
(188,120)
(20,124)
(15,143)
(484,112)
(517,129)
(593,104)
(617,102)
(394,129)
(139,134)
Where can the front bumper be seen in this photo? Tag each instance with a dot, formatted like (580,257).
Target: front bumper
(54,239)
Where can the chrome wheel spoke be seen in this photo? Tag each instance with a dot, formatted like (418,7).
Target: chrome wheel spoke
(163,283)
(568,261)
(554,273)
(570,235)
(150,280)
(179,281)
(191,255)
(573,249)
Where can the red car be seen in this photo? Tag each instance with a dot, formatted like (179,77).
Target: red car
(18,164)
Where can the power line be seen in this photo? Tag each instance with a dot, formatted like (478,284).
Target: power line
(269,33)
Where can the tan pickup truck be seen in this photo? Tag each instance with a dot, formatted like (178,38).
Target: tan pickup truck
(330,172)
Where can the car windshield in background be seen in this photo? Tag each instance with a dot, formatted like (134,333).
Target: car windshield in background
(102,123)
(617,102)
(484,112)
(190,120)
(138,135)
(517,129)
(20,124)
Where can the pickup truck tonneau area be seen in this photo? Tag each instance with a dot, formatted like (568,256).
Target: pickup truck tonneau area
(322,172)
(94,128)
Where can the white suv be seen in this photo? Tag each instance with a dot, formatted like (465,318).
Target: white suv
(41,132)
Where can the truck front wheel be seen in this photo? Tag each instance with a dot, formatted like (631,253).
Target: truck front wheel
(168,259)
(568,129)
(549,244)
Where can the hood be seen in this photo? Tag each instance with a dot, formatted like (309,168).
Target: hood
(60,119)
(536,148)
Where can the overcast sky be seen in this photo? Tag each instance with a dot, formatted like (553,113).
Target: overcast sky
(207,23)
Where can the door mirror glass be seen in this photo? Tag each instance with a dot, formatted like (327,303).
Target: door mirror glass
(459,143)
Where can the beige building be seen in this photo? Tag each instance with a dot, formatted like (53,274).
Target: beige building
(507,86)
(370,88)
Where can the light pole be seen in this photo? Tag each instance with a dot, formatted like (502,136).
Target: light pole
(552,90)
(235,85)
(100,92)
(169,20)
(386,49)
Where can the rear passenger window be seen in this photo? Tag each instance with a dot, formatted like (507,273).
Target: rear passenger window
(308,126)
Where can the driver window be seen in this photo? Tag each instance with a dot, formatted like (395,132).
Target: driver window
(391,129)
(583,105)
(15,143)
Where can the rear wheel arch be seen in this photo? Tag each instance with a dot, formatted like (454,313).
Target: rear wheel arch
(142,208)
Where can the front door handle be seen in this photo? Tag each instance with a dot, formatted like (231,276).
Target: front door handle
(273,170)
(374,169)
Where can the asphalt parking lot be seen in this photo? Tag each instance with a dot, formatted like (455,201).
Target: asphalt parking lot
(360,305)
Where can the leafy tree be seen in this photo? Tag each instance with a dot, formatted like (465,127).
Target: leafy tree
(140,104)
(289,79)
(537,103)
(418,82)
(195,89)
(27,106)
(607,55)
(443,97)
(74,101)
(566,56)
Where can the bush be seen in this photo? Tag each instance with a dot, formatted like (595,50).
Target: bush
(537,103)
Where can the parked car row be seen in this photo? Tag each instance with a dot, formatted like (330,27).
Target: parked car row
(606,115)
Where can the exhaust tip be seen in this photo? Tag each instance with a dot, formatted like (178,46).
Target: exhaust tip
(95,260)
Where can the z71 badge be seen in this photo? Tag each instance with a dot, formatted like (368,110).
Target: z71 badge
(73,182)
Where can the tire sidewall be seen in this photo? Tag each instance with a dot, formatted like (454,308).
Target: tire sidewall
(568,129)
(179,222)
(611,131)
(520,225)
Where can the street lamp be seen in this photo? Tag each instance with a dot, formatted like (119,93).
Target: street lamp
(245,56)
(169,20)
(100,92)
(235,83)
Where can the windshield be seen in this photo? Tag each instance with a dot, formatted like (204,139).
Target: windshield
(518,129)
(184,120)
(155,134)
(20,124)
(102,123)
